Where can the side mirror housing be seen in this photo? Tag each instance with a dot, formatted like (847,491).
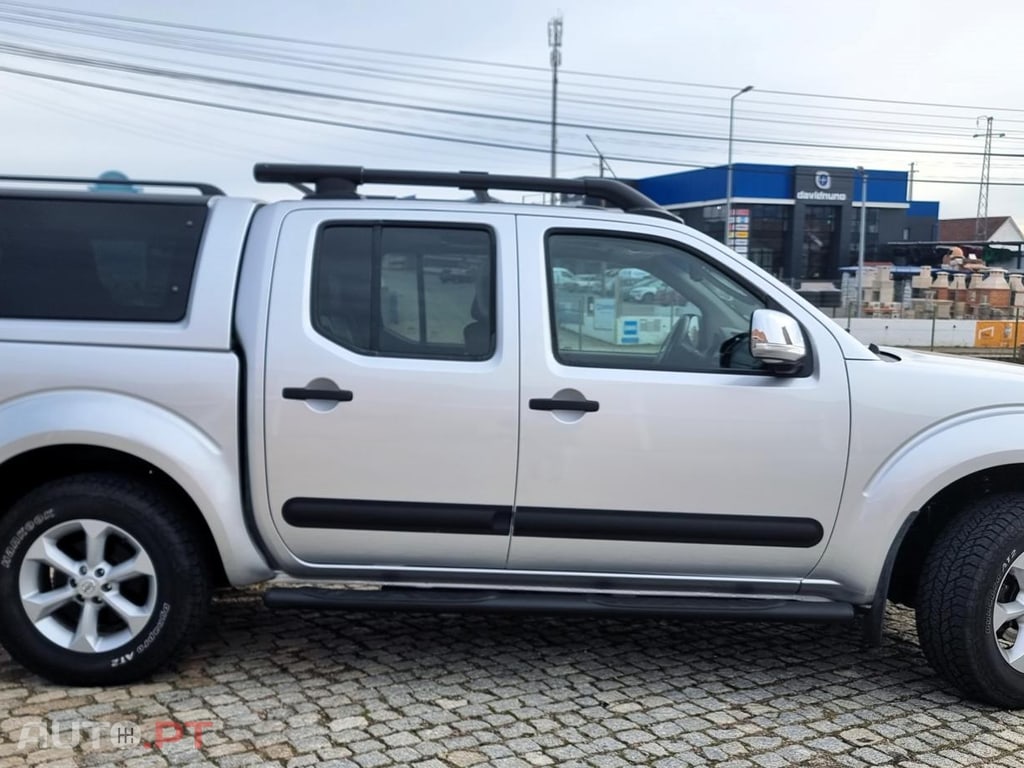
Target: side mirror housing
(777,340)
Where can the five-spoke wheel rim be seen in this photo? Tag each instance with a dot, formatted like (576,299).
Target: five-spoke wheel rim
(1008,615)
(87,586)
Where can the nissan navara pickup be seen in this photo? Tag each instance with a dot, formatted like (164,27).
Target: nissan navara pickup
(202,391)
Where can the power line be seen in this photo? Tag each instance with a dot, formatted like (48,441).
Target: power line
(323,121)
(405,133)
(674,135)
(531,95)
(220,81)
(32,10)
(463,84)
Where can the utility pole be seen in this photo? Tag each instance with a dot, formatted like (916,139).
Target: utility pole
(601,160)
(910,188)
(728,173)
(981,222)
(863,234)
(555,43)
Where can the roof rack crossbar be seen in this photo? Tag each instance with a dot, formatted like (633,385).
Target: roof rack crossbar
(342,181)
(202,187)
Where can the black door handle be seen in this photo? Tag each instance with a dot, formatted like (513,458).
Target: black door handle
(306,393)
(551,404)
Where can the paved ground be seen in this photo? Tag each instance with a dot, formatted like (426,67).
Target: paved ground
(293,689)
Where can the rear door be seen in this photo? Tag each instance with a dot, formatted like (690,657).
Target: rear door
(392,386)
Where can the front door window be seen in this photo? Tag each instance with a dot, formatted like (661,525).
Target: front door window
(626,302)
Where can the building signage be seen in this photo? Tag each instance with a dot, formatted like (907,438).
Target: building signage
(839,197)
(739,230)
(823,185)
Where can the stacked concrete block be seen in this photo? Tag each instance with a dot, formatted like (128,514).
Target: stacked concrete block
(883,286)
(922,281)
(994,289)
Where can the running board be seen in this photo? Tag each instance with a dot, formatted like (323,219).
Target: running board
(434,600)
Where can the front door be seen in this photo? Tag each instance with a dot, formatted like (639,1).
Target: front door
(651,441)
(392,387)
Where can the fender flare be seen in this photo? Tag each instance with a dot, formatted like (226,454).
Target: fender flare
(208,472)
(874,518)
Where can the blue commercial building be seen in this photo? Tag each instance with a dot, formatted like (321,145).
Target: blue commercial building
(799,222)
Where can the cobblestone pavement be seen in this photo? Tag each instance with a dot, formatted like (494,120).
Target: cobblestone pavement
(367,690)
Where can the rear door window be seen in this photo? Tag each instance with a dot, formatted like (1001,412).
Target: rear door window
(406,290)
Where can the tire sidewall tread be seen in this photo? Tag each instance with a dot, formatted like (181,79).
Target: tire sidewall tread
(956,593)
(183,591)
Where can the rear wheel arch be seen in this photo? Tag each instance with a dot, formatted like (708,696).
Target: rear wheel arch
(100,583)
(23,473)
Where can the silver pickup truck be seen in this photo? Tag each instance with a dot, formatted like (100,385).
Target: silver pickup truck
(201,391)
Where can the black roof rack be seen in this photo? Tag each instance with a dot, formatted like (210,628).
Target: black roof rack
(342,182)
(203,188)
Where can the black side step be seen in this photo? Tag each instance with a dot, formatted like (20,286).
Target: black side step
(431,600)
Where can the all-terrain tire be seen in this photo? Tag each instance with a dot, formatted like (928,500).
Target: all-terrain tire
(962,577)
(122,517)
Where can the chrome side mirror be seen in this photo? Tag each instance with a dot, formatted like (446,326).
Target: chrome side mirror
(776,338)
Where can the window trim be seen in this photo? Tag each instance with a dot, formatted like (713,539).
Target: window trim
(768,301)
(376,264)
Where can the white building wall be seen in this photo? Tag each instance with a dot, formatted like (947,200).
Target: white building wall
(912,333)
(1008,232)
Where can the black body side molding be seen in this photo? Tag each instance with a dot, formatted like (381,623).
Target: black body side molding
(682,528)
(415,517)
(540,522)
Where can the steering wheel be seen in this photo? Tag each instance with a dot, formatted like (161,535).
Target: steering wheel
(678,352)
(731,347)
(735,353)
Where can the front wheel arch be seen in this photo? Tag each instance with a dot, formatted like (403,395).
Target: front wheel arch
(936,515)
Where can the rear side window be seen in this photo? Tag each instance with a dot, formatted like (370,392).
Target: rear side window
(406,290)
(97,259)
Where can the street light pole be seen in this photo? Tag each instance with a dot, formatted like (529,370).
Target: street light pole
(728,172)
(863,233)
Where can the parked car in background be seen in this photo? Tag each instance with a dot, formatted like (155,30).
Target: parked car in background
(627,276)
(565,279)
(457,275)
(590,282)
(651,290)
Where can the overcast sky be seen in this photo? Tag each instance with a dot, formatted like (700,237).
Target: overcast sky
(649,81)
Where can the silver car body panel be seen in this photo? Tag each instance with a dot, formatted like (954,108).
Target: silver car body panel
(675,442)
(436,432)
(133,400)
(918,425)
(166,393)
(186,396)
